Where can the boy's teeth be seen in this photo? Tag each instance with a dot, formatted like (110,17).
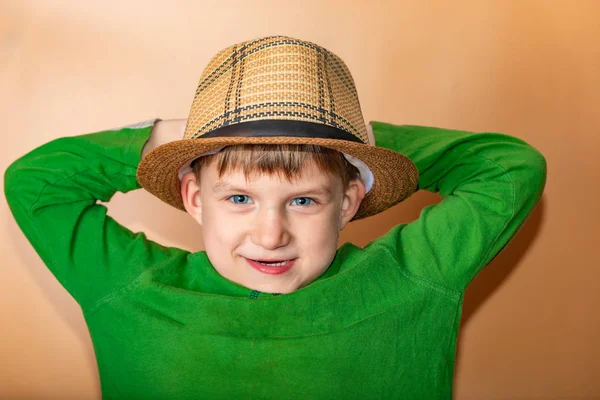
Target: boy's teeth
(277,264)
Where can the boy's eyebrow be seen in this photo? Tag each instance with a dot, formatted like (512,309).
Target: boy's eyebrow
(321,190)
(224,186)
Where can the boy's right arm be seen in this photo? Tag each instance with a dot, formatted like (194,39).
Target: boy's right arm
(490,183)
(53,190)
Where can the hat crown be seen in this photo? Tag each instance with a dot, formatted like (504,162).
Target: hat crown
(276,78)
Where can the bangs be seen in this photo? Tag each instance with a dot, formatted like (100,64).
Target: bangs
(284,160)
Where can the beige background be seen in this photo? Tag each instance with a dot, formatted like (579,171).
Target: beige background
(527,68)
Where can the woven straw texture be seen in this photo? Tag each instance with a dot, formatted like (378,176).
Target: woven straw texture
(277,78)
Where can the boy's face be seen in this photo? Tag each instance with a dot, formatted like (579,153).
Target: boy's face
(267,218)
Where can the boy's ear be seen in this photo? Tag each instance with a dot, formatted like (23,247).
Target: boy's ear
(353,197)
(190,194)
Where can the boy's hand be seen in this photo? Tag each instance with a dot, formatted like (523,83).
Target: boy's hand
(164,132)
(370,134)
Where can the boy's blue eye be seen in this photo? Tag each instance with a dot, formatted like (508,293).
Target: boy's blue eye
(240,199)
(302,201)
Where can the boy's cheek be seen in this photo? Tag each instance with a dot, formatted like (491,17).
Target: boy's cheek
(226,226)
(215,221)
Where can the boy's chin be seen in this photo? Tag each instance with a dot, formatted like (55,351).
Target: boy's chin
(269,288)
(275,287)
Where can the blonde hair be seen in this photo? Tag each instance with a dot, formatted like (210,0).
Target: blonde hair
(285,160)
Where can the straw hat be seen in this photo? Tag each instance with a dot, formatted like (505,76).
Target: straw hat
(274,90)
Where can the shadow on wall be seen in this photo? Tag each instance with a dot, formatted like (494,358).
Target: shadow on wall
(495,273)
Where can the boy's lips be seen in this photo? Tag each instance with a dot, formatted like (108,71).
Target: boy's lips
(276,269)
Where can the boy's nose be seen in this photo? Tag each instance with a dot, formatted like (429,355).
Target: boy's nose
(270,230)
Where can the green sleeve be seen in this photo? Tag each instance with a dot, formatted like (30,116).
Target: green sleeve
(490,183)
(52,193)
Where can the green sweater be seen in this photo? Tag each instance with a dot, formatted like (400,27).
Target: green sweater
(380,323)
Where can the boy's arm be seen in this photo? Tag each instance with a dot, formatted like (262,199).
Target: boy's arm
(490,183)
(52,192)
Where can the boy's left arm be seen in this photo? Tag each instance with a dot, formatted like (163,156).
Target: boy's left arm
(490,184)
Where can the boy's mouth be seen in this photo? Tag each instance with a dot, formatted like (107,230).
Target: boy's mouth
(273,263)
(272,267)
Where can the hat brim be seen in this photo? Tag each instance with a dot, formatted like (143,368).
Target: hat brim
(396,176)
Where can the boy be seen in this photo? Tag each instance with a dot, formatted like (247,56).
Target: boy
(274,161)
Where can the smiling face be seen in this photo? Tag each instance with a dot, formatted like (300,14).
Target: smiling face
(268,232)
